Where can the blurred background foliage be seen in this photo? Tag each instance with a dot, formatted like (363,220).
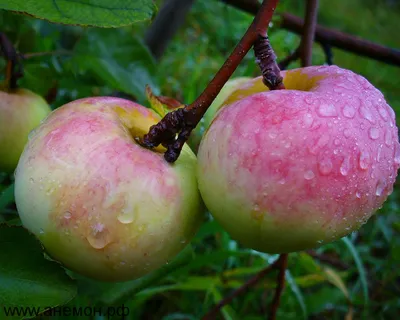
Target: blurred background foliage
(354,278)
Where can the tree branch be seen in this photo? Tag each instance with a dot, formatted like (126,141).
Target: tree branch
(283,262)
(307,38)
(184,120)
(168,20)
(12,57)
(329,36)
(247,285)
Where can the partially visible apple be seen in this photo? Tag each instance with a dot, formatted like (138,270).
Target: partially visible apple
(100,203)
(21,111)
(289,170)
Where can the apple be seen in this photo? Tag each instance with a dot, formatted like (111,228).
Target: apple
(21,110)
(289,170)
(101,204)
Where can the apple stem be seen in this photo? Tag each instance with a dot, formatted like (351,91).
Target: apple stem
(13,59)
(307,40)
(279,264)
(183,121)
(266,59)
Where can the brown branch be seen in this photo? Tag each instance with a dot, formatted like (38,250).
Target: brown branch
(329,36)
(184,120)
(284,63)
(307,38)
(212,314)
(283,262)
(13,61)
(46,53)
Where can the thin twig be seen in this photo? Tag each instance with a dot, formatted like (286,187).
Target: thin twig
(307,39)
(247,285)
(12,57)
(46,53)
(283,262)
(284,63)
(328,53)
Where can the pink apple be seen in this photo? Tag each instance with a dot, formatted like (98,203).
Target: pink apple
(100,203)
(292,169)
(21,111)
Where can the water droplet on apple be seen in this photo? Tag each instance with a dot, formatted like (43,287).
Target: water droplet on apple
(366,114)
(309,174)
(98,237)
(347,133)
(327,110)
(282,181)
(397,154)
(67,215)
(388,138)
(380,187)
(383,113)
(325,166)
(345,167)
(349,111)
(272,135)
(374,133)
(364,160)
(31,180)
(41,231)
(126,217)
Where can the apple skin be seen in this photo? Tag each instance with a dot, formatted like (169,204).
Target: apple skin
(101,204)
(21,111)
(289,170)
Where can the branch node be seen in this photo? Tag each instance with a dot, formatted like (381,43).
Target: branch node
(266,59)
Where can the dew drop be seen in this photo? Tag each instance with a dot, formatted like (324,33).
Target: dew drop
(325,166)
(282,181)
(41,231)
(31,180)
(327,110)
(383,113)
(345,167)
(397,154)
(380,187)
(374,133)
(364,160)
(98,237)
(388,138)
(347,133)
(378,156)
(272,135)
(366,114)
(126,217)
(349,111)
(308,175)
(336,142)
(67,215)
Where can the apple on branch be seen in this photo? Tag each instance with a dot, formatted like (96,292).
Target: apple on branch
(100,203)
(289,170)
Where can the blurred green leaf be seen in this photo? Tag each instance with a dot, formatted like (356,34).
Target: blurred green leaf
(298,294)
(99,13)
(6,197)
(27,279)
(360,268)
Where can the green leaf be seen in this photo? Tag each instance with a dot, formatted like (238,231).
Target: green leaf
(119,293)
(6,197)
(360,267)
(27,279)
(296,290)
(98,13)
